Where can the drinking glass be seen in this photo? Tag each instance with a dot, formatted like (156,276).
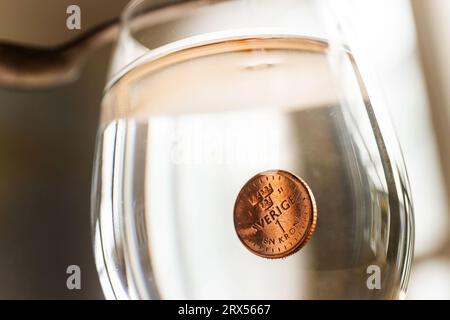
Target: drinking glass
(203,96)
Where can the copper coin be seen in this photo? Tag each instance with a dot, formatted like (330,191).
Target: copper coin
(275,214)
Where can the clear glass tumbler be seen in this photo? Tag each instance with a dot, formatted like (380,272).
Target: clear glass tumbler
(203,96)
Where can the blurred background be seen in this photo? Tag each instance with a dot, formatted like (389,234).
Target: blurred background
(47,138)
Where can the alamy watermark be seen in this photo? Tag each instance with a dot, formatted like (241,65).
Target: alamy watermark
(73,281)
(73,21)
(374,280)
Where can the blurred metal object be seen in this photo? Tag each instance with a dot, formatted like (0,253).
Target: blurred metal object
(47,144)
(24,66)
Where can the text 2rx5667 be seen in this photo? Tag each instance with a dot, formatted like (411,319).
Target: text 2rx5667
(245,309)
